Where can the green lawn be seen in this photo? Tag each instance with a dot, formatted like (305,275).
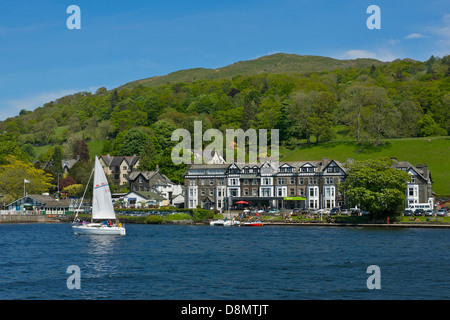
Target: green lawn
(95,148)
(434,151)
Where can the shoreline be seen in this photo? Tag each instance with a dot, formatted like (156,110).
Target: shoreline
(11,219)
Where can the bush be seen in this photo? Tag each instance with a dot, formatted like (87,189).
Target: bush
(153,219)
(202,214)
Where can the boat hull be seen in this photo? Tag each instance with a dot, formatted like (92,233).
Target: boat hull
(253,224)
(223,223)
(98,229)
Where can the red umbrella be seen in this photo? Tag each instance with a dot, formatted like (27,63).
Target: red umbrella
(242,202)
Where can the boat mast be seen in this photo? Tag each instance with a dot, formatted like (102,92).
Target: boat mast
(82,198)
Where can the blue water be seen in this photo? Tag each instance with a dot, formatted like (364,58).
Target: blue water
(202,263)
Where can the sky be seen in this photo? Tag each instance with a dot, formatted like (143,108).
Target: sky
(41,59)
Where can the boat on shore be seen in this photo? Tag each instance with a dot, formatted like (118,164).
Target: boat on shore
(102,209)
(254,223)
(225,222)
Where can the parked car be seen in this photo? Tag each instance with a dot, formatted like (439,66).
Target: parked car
(354,212)
(274,211)
(335,210)
(429,213)
(408,212)
(345,212)
(441,212)
(365,213)
(418,212)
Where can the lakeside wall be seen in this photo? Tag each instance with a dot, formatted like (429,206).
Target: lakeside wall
(27,218)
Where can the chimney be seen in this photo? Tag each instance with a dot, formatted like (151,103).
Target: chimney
(157,168)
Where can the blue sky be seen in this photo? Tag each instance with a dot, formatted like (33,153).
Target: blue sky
(121,41)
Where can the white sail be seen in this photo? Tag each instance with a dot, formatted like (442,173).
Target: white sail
(102,207)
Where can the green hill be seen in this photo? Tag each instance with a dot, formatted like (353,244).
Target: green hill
(273,64)
(305,97)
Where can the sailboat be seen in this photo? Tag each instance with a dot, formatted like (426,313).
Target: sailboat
(102,208)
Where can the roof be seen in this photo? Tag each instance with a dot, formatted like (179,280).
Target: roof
(46,200)
(155,177)
(149,195)
(319,164)
(112,161)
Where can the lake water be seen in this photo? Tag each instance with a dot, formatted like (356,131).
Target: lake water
(165,262)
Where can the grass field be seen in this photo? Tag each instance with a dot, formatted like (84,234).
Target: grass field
(434,151)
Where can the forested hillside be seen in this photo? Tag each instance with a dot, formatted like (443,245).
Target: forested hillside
(305,99)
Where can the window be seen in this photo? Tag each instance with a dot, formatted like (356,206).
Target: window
(292,180)
(254,192)
(203,182)
(413,179)
(211,192)
(211,182)
(255,182)
(292,192)
(280,181)
(124,167)
(411,191)
(300,180)
(202,192)
(245,192)
(245,181)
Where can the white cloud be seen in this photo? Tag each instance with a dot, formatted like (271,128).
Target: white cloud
(414,36)
(382,55)
(394,41)
(441,34)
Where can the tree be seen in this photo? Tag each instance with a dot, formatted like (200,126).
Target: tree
(428,127)
(81,150)
(56,161)
(353,102)
(134,142)
(149,155)
(74,190)
(80,172)
(13,175)
(45,129)
(379,115)
(376,186)
(312,113)
(65,182)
